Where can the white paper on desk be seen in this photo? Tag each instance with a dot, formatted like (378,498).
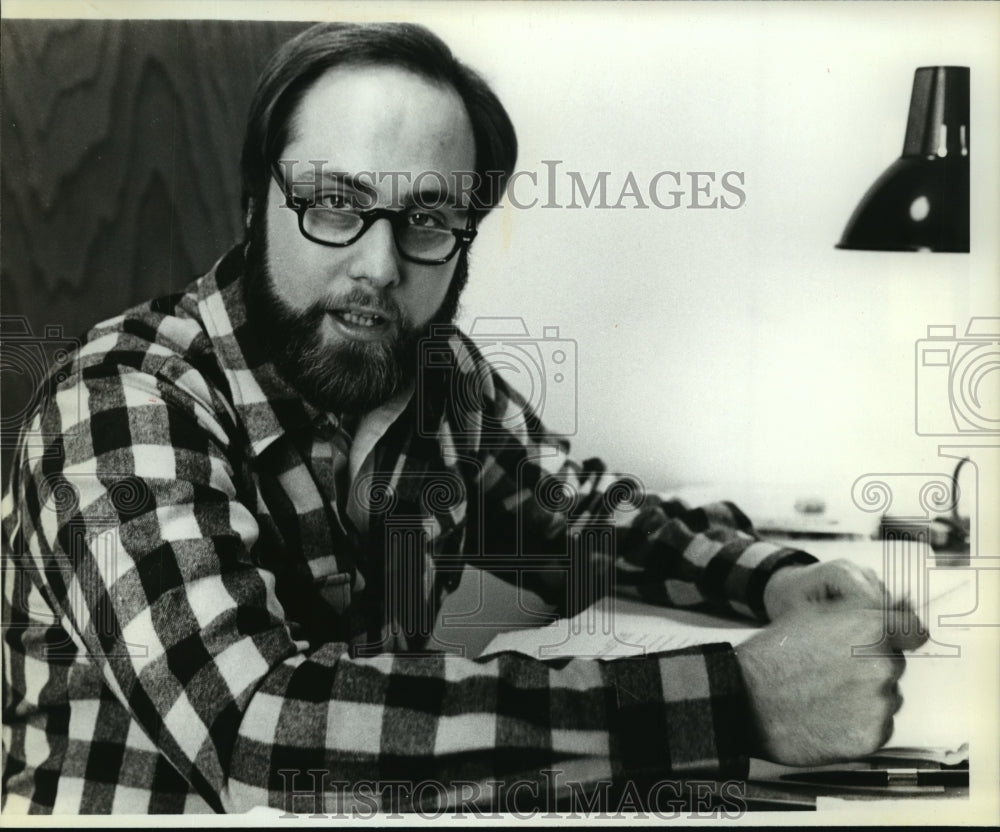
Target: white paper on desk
(937,686)
(624,628)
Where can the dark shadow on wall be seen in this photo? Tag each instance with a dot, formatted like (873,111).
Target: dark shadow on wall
(120,172)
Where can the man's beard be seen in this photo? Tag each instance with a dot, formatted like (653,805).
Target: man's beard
(349,376)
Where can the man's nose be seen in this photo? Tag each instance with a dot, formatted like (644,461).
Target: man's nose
(375,256)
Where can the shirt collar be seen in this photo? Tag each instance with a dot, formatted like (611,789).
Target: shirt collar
(373,426)
(267,405)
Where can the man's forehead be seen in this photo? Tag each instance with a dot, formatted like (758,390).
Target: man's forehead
(382,119)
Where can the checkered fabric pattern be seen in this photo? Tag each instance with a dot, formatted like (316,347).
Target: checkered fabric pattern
(197,618)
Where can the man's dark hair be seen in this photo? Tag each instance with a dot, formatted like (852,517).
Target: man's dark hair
(302,60)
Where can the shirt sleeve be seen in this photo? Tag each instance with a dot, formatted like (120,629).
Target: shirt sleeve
(573,531)
(131,517)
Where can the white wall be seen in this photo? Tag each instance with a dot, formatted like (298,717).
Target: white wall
(732,345)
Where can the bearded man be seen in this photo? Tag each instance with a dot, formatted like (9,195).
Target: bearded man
(225,560)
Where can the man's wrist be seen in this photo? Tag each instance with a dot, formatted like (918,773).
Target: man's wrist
(774,599)
(775,589)
(750,736)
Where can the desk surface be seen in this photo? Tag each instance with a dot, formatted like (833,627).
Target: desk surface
(937,682)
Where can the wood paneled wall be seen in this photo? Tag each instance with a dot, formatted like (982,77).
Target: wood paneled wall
(120,168)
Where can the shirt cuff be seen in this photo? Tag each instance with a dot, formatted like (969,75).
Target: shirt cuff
(686,713)
(779,557)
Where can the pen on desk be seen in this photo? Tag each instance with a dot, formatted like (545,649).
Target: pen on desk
(882,777)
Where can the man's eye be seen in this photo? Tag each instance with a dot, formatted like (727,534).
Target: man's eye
(334,200)
(421,219)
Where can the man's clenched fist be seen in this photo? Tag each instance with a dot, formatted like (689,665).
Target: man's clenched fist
(836,583)
(813,701)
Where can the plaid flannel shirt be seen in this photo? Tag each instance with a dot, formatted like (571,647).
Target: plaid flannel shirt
(194,608)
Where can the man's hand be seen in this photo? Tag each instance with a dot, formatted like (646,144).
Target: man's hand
(813,702)
(836,583)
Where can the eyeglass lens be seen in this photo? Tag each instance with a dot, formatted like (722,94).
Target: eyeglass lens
(342,226)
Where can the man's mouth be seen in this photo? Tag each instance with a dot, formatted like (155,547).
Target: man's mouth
(361,322)
(366,319)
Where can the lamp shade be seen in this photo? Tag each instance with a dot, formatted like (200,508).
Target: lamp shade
(921,202)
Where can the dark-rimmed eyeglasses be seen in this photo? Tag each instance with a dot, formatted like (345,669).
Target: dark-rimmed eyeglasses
(421,235)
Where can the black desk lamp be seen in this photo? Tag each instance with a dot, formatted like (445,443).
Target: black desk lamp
(921,202)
